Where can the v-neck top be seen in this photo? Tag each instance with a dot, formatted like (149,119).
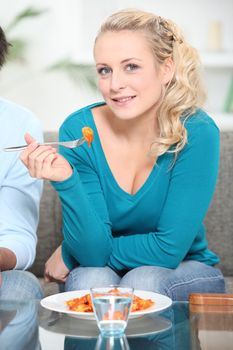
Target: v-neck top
(161,224)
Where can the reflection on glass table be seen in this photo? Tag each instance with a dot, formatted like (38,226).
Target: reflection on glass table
(154,331)
(180,327)
(19,325)
(112,343)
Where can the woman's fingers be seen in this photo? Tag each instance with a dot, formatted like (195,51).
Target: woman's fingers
(47,278)
(54,276)
(55,268)
(46,169)
(25,154)
(50,278)
(28,138)
(34,158)
(43,162)
(37,160)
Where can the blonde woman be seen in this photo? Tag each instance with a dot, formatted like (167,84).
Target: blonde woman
(134,203)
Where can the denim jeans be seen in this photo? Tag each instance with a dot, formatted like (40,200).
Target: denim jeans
(20,325)
(20,285)
(188,277)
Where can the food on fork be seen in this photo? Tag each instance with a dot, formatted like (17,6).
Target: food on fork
(88,135)
(84,304)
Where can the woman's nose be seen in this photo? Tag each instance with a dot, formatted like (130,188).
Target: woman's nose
(117,81)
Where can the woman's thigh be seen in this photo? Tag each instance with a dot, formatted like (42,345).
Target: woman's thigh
(20,285)
(188,277)
(87,277)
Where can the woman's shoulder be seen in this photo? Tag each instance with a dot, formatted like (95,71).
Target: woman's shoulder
(201,129)
(81,117)
(199,119)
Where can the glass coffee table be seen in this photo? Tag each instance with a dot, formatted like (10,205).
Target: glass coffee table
(26,325)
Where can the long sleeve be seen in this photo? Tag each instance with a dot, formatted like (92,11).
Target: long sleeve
(190,191)
(19,193)
(86,229)
(89,208)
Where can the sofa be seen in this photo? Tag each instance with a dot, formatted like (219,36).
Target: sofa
(219,219)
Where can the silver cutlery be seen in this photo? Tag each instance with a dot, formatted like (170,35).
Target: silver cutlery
(67,144)
(53,318)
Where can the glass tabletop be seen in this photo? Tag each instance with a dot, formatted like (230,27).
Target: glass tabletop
(25,325)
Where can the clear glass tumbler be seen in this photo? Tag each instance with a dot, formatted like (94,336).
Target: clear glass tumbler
(112,343)
(111,308)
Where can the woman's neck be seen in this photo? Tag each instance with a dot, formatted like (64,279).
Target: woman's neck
(134,130)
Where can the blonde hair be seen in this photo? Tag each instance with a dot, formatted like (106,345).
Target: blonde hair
(185,92)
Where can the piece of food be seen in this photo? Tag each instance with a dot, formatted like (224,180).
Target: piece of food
(84,304)
(140,304)
(88,135)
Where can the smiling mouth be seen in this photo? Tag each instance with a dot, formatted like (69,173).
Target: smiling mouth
(123,99)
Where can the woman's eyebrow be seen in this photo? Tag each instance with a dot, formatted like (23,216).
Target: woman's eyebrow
(123,61)
(131,58)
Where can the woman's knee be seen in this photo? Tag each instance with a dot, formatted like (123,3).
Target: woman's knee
(87,277)
(194,277)
(149,278)
(188,277)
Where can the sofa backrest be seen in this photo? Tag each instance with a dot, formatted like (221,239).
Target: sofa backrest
(219,219)
(50,225)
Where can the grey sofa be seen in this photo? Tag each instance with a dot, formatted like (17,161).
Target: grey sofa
(219,220)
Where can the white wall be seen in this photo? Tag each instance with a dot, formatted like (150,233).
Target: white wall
(68,29)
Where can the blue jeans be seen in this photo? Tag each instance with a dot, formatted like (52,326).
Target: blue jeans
(188,277)
(20,325)
(20,285)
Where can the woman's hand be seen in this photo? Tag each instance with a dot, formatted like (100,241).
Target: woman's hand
(43,162)
(55,269)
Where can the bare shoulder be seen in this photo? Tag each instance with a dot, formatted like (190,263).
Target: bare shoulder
(102,119)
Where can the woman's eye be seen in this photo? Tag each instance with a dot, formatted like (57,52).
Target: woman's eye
(103,71)
(131,67)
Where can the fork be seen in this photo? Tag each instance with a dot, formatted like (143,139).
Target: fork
(67,144)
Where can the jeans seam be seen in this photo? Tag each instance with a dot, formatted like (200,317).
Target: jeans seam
(193,280)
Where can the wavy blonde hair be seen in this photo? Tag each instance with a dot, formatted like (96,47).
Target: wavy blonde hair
(184,93)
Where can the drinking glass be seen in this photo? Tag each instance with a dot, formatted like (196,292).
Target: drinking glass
(111,308)
(112,343)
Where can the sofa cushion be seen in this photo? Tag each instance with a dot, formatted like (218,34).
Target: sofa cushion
(219,219)
(229,285)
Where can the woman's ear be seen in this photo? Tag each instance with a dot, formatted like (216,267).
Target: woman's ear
(167,70)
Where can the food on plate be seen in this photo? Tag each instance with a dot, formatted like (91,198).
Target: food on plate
(140,304)
(84,304)
(88,135)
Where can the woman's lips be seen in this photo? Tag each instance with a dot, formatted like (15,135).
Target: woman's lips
(123,100)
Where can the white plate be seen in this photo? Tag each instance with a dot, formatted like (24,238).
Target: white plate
(57,302)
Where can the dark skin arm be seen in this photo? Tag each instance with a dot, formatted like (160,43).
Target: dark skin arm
(7,259)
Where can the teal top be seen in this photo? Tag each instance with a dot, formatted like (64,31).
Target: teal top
(160,225)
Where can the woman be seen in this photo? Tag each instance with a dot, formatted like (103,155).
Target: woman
(133,205)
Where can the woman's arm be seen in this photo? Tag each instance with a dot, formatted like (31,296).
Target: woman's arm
(191,188)
(86,225)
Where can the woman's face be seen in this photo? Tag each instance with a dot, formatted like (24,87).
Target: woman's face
(128,77)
